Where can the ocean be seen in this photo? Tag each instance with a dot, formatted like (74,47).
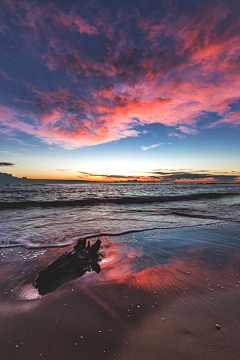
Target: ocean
(159,275)
(40,215)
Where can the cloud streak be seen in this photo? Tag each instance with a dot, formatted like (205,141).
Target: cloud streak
(7,153)
(6,164)
(144,148)
(90,82)
(166,176)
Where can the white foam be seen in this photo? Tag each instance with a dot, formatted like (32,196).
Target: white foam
(30,245)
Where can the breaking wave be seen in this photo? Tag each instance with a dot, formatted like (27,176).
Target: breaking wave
(115,200)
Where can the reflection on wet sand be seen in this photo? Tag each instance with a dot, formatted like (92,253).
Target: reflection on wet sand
(158,296)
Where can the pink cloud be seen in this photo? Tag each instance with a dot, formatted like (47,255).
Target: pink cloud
(180,136)
(76,23)
(232,118)
(183,65)
(187,130)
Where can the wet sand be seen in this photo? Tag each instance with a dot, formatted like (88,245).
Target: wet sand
(159,295)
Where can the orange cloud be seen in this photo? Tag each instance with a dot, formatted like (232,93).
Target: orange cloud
(164,176)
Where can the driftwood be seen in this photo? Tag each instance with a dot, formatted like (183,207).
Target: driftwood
(69,266)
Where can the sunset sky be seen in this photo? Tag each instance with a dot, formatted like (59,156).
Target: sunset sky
(118,90)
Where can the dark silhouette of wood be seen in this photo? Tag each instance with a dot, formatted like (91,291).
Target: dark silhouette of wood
(69,266)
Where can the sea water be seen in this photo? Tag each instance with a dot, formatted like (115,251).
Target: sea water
(57,214)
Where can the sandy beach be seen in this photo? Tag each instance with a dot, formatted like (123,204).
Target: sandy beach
(159,295)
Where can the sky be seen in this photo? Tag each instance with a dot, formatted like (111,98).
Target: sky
(120,90)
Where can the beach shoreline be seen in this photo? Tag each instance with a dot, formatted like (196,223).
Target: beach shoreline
(159,295)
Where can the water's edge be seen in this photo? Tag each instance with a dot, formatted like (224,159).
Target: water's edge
(91,236)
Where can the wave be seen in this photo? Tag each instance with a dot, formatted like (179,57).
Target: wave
(74,240)
(116,200)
